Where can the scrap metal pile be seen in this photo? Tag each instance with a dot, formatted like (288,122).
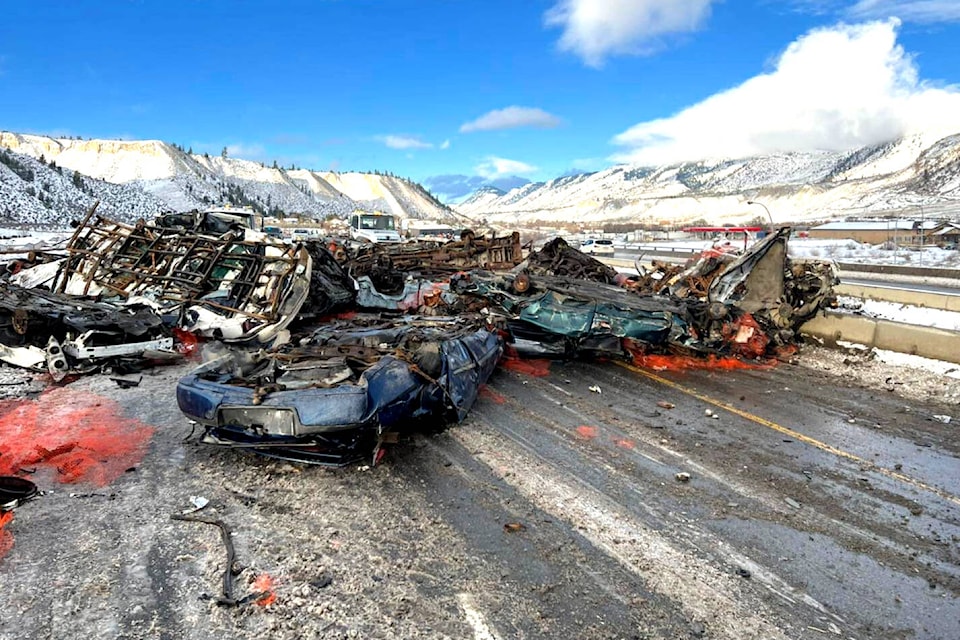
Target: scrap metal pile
(322,356)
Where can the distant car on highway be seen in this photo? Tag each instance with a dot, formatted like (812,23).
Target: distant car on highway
(593,247)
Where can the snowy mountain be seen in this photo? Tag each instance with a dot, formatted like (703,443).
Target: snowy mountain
(140,178)
(911,172)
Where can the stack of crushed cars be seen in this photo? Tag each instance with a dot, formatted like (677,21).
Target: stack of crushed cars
(320,353)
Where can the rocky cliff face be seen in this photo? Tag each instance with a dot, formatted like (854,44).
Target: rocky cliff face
(140,178)
(920,170)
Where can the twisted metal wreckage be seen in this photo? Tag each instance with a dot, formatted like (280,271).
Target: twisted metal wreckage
(317,359)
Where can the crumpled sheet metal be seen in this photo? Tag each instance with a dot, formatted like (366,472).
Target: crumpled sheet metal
(399,371)
(557,258)
(46,331)
(564,317)
(416,296)
(242,285)
(436,260)
(747,306)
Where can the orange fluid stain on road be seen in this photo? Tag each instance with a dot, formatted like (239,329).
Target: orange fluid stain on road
(81,436)
(264,584)
(6,538)
(587,432)
(537,368)
(659,362)
(84,437)
(490,394)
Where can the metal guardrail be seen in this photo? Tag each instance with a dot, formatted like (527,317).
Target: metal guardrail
(898,270)
(658,249)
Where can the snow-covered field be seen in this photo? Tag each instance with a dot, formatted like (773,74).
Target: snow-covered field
(11,239)
(852,251)
(837,250)
(909,314)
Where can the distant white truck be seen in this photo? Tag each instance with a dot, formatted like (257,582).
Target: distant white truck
(373,227)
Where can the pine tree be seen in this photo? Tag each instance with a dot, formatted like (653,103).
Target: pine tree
(223,154)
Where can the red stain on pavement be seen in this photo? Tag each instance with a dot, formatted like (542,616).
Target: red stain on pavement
(490,394)
(624,443)
(659,362)
(587,432)
(263,584)
(83,436)
(537,368)
(6,538)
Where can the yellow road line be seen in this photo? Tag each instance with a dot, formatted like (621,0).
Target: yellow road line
(794,434)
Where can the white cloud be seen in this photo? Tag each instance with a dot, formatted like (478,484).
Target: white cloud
(512,118)
(404,142)
(595,29)
(832,89)
(920,11)
(494,167)
(910,10)
(246,151)
(446,144)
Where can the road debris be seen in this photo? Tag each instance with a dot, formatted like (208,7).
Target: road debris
(263,587)
(14,491)
(315,350)
(682,476)
(198,502)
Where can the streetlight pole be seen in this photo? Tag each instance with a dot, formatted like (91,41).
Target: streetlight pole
(921,234)
(765,209)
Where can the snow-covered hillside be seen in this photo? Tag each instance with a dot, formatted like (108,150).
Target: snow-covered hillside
(153,174)
(915,171)
(42,194)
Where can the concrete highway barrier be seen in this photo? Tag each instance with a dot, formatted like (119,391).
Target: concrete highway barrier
(929,342)
(926,299)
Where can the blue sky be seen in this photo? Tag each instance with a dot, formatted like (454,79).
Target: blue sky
(460,93)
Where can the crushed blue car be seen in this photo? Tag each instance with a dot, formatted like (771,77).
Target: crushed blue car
(330,398)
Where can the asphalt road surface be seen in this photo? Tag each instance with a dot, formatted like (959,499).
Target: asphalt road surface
(813,509)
